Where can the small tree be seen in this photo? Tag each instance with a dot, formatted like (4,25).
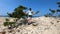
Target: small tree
(52,12)
(18,12)
(9,24)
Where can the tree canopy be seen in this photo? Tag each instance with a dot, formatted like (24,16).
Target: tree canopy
(52,12)
(18,12)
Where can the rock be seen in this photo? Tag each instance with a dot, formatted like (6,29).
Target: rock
(35,24)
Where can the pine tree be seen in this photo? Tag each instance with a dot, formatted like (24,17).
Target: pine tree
(18,12)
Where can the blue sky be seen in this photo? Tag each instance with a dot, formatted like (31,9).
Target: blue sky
(37,5)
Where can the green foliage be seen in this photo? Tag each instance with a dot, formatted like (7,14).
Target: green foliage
(5,23)
(58,10)
(52,12)
(9,24)
(18,12)
(20,8)
(7,19)
(58,4)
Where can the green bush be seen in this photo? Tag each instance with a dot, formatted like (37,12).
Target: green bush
(18,12)
(9,23)
(5,24)
(7,19)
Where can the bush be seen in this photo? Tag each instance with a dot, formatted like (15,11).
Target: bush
(5,24)
(9,24)
(7,19)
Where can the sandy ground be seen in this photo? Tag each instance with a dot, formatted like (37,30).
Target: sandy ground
(46,25)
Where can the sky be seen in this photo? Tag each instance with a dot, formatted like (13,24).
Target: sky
(37,5)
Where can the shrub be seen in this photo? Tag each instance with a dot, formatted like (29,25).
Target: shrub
(11,24)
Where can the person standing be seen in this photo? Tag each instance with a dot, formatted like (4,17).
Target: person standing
(30,14)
